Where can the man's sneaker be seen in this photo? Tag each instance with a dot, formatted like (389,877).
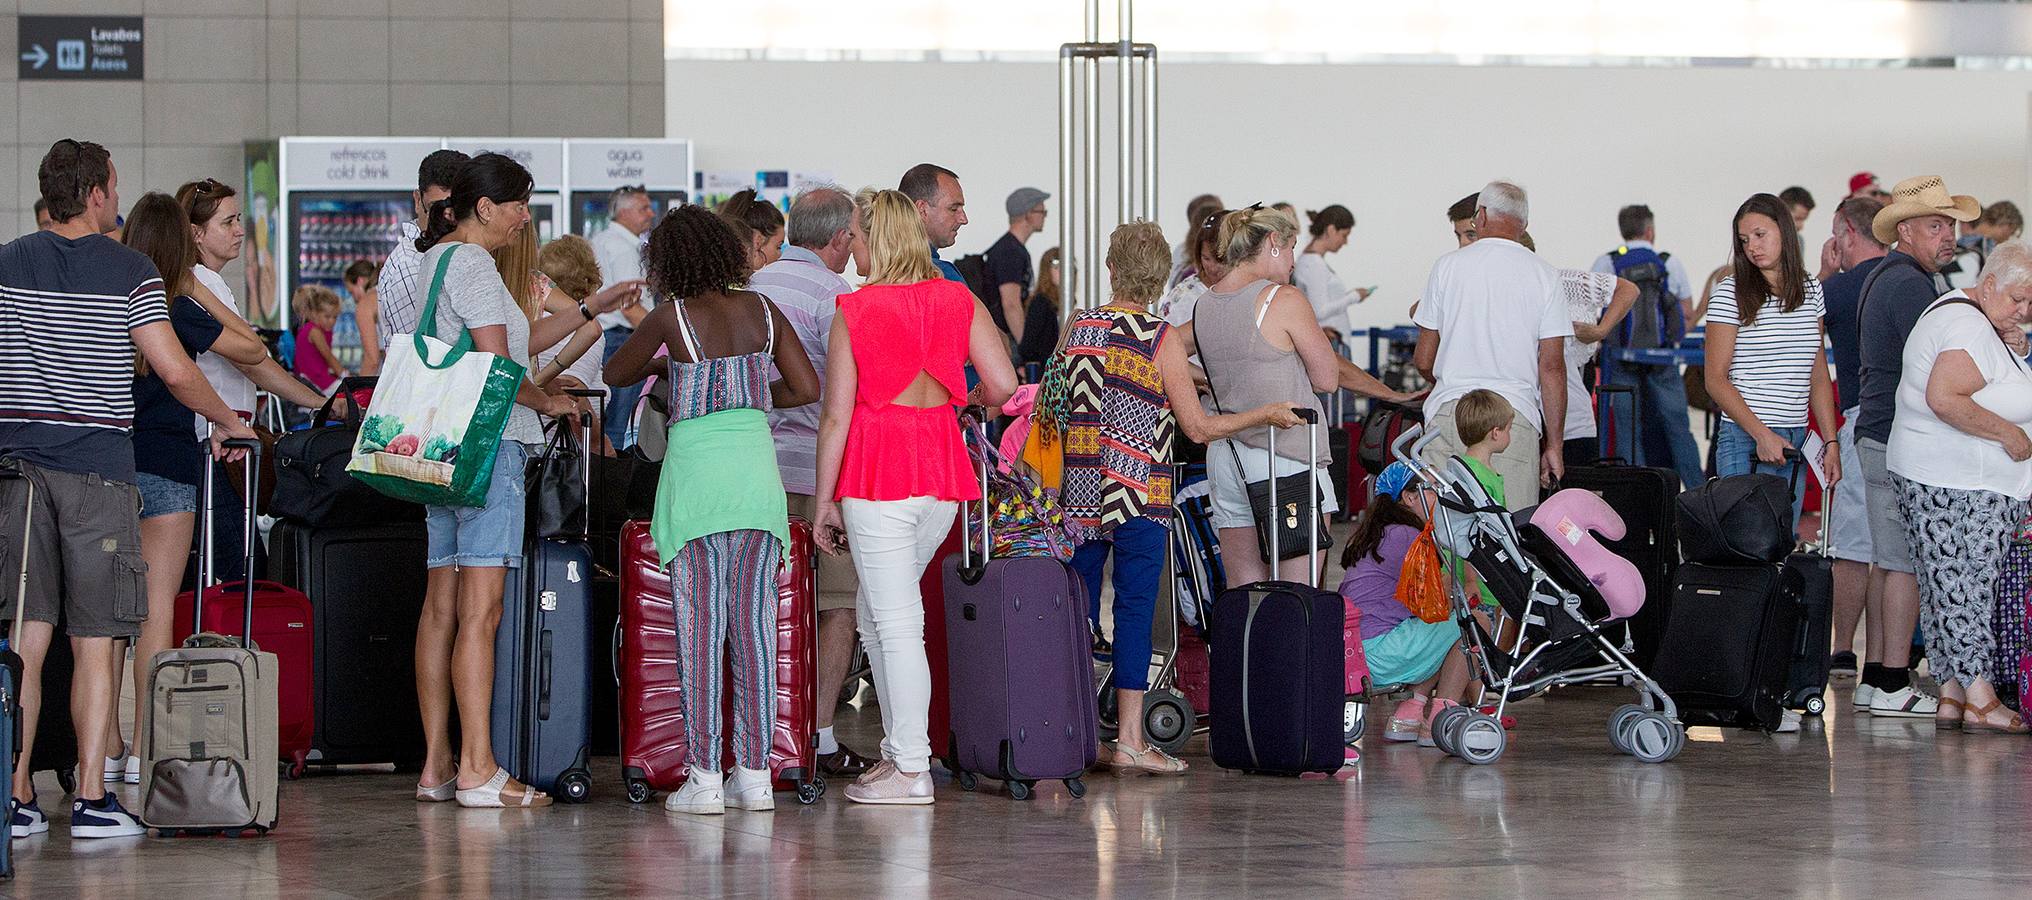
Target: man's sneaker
(1842,665)
(1865,692)
(133,775)
(26,818)
(103,819)
(116,768)
(1907,702)
(887,785)
(1788,722)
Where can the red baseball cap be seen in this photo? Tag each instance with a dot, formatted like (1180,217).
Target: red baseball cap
(1861,180)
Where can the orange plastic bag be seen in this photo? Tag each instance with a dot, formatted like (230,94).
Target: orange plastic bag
(1421,584)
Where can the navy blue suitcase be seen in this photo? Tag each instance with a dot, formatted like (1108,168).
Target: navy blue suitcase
(1278,669)
(543,677)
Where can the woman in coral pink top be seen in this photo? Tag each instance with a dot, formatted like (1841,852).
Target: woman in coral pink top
(892,461)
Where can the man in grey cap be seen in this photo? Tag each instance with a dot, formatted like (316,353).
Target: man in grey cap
(1008,262)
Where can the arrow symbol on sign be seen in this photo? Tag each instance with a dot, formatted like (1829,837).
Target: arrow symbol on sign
(38,57)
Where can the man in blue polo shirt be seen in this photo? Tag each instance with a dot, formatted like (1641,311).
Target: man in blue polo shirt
(942,205)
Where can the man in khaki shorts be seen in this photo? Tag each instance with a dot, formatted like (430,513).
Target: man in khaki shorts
(826,231)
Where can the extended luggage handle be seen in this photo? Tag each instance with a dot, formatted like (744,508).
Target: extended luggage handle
(973,418)
(11,470)
(586,450)
(1602,452)
(1311,419)
(206,511)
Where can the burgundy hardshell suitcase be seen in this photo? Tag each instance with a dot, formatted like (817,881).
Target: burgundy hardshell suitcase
(653,750)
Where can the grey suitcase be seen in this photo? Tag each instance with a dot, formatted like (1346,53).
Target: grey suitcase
(209,735)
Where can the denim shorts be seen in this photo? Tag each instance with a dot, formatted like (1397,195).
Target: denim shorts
(487,536)
(165,497)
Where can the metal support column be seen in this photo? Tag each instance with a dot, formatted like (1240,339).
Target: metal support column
(1080,230)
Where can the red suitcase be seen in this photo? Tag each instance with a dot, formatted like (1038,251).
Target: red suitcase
(652,705)
(282,626)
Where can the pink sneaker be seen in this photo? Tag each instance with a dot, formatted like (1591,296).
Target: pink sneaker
(887,785)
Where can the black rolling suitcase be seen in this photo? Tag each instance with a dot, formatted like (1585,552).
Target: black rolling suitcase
(1730,643)
(366,585)
(543,677)
(1278,669)
(1643,496)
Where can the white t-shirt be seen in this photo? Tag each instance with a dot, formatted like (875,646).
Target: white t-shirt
(1587,295)
(1330,297)
(1775,356)
(1929,451)
(1492,301)
(587,369)
(233,387)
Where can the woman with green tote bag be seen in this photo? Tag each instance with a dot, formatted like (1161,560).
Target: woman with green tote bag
(474,502)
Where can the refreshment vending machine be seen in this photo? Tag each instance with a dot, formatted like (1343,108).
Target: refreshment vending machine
(314,206)
(660,166)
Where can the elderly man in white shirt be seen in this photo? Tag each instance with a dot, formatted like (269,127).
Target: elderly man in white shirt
(619,250)
(1493,316)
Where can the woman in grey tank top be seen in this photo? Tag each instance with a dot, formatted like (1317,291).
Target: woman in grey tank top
(1259,341)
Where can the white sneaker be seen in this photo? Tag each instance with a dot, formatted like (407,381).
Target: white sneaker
(133,773)
(1788,723)
(701,795)
(1865,692)
(751,790)
(1906,703)
(116,768)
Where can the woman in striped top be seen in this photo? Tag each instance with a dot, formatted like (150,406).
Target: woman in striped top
(1765,368)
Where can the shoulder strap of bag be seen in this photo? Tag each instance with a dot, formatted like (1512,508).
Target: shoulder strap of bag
(1863,297)
(426,325)
(1215,392)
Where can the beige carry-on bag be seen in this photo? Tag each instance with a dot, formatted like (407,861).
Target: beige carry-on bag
(208,732)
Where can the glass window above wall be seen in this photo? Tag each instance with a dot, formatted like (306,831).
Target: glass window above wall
(1457,32)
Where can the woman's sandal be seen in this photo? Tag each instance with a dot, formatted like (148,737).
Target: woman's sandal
(1147,761)
(491,796)
(1948,722)
(1981,724)
(443,793)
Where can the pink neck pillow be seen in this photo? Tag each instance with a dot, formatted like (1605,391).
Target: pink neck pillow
(1577,521)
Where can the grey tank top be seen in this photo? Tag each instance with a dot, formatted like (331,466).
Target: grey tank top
(1246,371)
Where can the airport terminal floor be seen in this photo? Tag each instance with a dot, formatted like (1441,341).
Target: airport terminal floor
(1849,807)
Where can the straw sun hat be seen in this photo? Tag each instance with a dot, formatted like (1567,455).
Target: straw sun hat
(1925,195)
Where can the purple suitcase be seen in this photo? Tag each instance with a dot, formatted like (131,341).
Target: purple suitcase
(1021,669)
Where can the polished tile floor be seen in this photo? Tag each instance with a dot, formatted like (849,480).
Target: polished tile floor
(1850,807)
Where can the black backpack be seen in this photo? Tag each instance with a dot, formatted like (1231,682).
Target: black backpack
(974,268)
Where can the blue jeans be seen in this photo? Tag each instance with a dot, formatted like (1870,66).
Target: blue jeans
(1666,428)
(1139,546)
(620,413)
(1736,452)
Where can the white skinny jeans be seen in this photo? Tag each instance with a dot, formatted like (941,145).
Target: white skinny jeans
(892,541)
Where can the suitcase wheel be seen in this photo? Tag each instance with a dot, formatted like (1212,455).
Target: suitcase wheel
(638,791)
(1354,718)
(1019,790)
(296,769)
(1167,720)
(575,786)
(1076,786)
(68,780)
(1815,705)
(966,780)
(808,792)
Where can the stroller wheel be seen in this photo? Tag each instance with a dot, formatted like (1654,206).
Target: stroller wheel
(1619,725)
(1444,727)
(1480,739)
(1354,719)
(1653,738)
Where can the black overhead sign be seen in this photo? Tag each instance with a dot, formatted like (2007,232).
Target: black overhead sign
(80,48)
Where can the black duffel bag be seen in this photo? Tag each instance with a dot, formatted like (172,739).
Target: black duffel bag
(1738,519)
(312,486)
